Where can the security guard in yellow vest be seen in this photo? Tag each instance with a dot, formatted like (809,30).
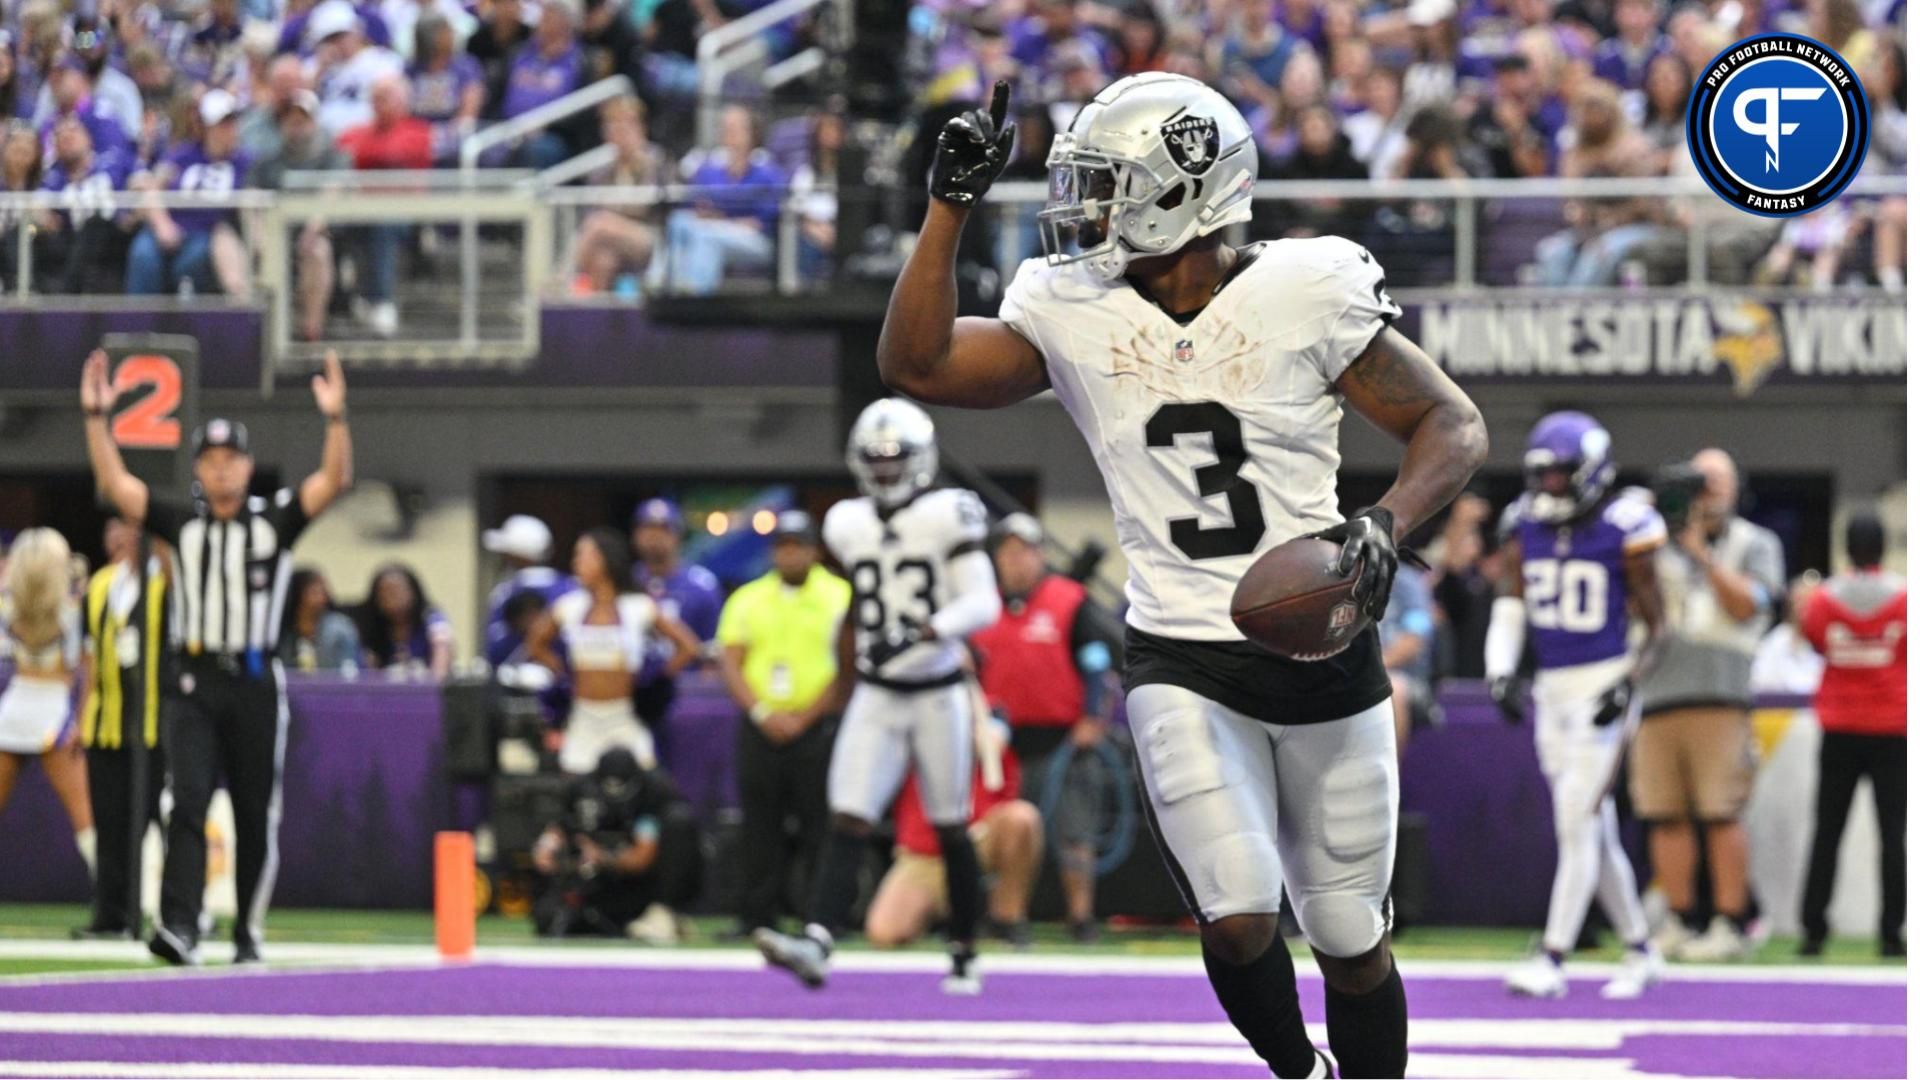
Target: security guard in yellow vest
(122,704)
(779,638)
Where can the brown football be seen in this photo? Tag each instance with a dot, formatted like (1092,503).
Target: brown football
(1292,602)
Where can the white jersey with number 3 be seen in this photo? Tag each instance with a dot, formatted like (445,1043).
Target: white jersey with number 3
(1218,439)
(900,568)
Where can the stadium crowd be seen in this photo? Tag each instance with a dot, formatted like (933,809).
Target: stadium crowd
(127,96)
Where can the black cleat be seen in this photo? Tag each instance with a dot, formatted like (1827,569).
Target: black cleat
(174,948)
(247,952)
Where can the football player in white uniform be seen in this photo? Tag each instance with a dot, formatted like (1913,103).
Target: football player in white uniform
(922,584)
(1208,381)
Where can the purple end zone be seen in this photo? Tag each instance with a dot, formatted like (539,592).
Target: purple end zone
(890,1005)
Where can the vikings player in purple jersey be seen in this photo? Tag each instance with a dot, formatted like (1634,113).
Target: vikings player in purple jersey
(1578,569)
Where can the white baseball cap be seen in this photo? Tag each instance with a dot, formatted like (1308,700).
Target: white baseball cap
(330,18)
(521,536)
(217,105)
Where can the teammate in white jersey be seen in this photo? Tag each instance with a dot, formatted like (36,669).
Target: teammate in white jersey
(922,584)
(1208,381)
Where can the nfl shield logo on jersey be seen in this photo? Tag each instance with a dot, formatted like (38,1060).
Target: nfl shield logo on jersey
(1183,351)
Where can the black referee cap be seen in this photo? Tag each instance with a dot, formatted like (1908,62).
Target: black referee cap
(217,432)
(794,525)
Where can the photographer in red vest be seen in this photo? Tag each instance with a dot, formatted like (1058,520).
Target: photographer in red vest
(1857,620)
(1044,669)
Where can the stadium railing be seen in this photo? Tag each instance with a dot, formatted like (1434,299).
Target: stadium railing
(738,45)
(501,242)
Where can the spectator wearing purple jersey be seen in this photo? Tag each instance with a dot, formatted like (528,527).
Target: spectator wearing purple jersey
(547,68)
(525,545)
(736,198)
(113,94)
(449,89)
(347,65)
(1306,21)
(198,245)
(498,40)
(72,95)
(212,55)
(84,239)
(687,592)
(401,629)
(1624,59)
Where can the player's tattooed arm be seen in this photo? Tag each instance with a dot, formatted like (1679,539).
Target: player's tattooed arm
(1401,391)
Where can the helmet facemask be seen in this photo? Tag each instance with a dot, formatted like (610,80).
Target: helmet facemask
(1106,209)
(891,473)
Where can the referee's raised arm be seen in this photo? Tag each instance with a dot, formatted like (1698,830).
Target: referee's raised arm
(335,473)
(127,492)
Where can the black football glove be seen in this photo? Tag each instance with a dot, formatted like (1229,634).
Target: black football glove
(1366,541)
(1614,703)
(1510,695)
(971,152)
(893,644)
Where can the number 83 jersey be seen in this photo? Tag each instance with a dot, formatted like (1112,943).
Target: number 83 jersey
(1218,437)
(900,566)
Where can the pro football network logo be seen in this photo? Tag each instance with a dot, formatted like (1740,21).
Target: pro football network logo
(1777,125)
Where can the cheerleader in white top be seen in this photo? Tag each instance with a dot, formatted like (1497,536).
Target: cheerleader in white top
(598,638)
(42,633)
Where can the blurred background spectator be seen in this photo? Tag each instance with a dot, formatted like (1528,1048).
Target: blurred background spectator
(400,628)
(201,246)
(392,138)
(315,635)
(84,243)
(449,88)
(346,65)
(730,225)
(302,145)
(615,243)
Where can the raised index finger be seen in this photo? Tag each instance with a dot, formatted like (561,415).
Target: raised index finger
(997,109)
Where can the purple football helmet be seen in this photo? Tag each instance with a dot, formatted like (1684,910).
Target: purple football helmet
(1569,466)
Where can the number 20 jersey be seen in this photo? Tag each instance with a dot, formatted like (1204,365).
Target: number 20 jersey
(1574,578)
(898,566)
(1218,439)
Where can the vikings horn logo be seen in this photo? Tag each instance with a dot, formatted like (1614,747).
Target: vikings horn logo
(1193,141)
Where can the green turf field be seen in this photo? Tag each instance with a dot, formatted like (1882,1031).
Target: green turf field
(53,921)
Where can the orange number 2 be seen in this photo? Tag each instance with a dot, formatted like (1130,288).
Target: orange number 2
(148,423)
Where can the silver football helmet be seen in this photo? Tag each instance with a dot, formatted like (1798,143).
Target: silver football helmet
(891,451)
(1152,162)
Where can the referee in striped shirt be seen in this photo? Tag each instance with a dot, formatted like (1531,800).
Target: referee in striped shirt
(228,714)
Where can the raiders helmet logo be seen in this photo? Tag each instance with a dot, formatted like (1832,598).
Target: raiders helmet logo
(1194,142)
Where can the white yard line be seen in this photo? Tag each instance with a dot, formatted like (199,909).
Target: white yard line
(268,1071)
(625,956)
(990,1040)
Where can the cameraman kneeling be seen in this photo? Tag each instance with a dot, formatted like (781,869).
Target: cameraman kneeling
(621,859)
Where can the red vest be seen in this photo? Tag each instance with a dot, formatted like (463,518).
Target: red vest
(912,831)
(1858,622)
(1026,659)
